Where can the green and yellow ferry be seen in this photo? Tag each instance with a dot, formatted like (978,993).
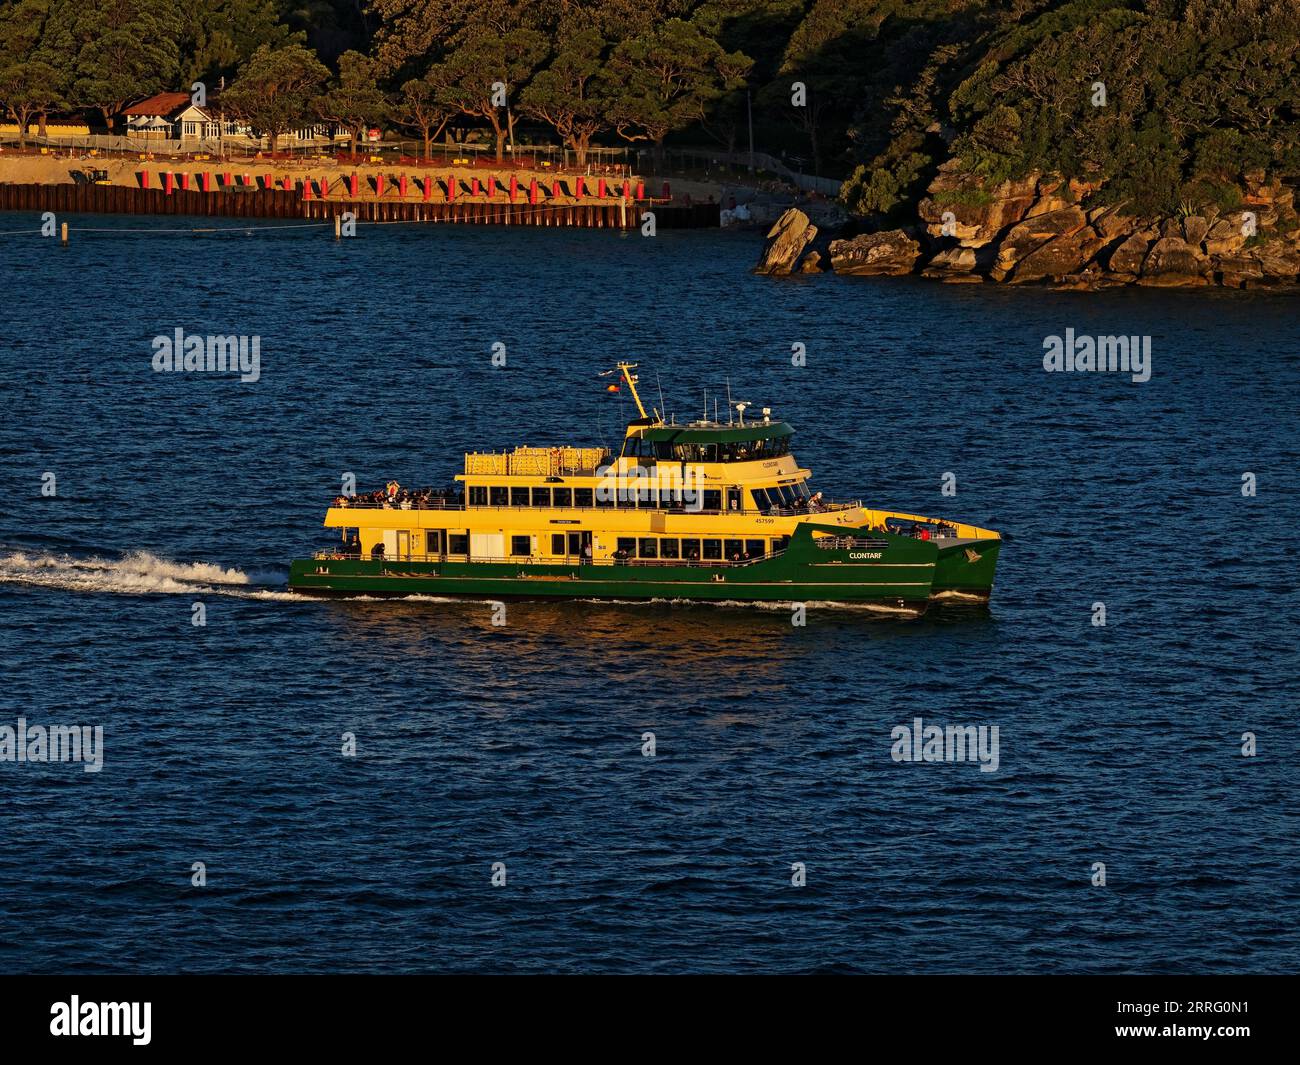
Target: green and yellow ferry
(717,511)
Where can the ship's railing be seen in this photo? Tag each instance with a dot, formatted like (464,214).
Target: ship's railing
(424,504)
(850,543)
(459,504)
(821,508)
(938,530)
(537,560)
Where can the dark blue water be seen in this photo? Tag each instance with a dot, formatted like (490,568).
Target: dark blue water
(522,744)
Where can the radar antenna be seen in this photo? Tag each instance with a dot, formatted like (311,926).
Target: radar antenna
(626,369)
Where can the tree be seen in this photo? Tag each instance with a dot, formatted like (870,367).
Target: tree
(421,107)
(218,35)
(119,51)
(668,76)
(355,100)
(276,89)
(483,72)
(570,93)
(28,90)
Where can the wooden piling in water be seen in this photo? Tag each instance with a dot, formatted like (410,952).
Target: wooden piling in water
(249,201)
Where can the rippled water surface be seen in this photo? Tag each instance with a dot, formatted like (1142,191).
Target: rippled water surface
(522,744)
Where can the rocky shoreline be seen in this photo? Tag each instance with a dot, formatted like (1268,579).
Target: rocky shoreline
(1041,229)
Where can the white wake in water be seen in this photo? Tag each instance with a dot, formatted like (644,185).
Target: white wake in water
(138,573)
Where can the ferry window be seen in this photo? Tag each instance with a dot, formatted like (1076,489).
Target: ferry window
(478,496)
(732,548)
(648,548)
(627,545)
(788,494)
(760,498)
(582,497)
(780,543)
(457,544)
(500,495)
(754,548)
(632,447)
(575,543)
(521,545)
(668,548)
(564,497)
(713,499)
(519,497)
(433,541)
(541,497)
(691,550)
(557,543)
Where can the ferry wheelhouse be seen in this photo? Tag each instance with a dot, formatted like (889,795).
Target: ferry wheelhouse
(701,511)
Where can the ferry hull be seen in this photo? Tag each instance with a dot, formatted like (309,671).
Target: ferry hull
(490,581)
(899,572)
(966,571)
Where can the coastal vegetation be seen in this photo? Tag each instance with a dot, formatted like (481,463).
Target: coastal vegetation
(1159,104)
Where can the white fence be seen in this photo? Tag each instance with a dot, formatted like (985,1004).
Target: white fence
(102,142)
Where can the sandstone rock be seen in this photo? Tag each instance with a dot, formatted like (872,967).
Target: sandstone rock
(1081,190)
(1194,230)
(1112,225)
(1050,197)
(1033,233)
(1225,237)
(1066,254)
(962,279)
(959,206)
(1279,260)
(812,263)
(1238,272)
(890,252)
(955,260)
(1129,256)
(1170,263)
(786,241)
